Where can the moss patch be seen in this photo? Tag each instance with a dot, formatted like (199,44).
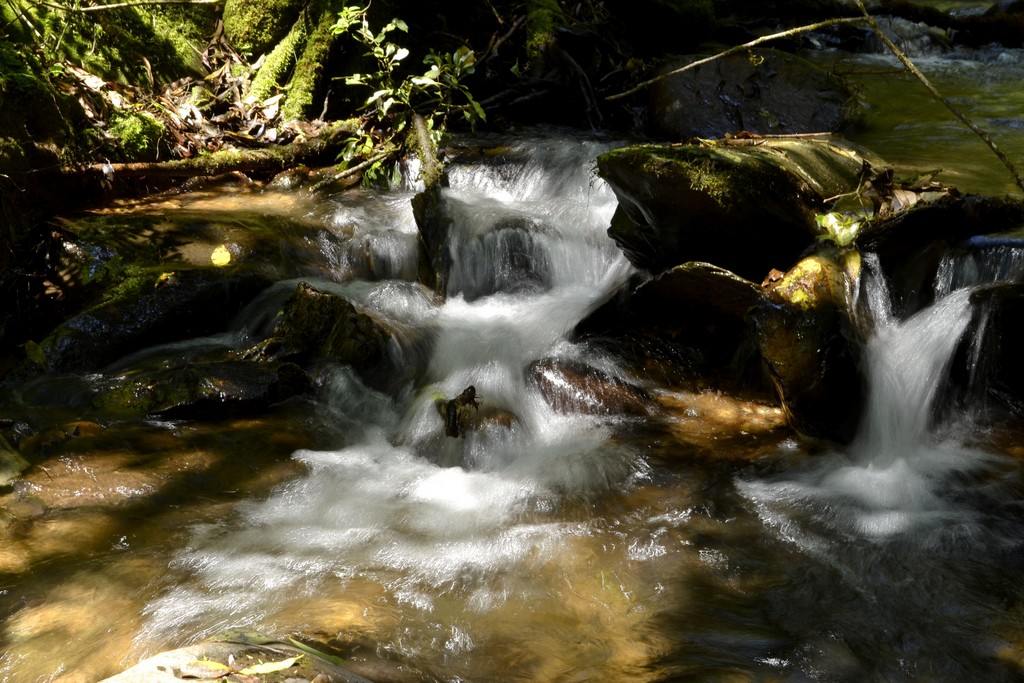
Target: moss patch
(138,135)
(253,27)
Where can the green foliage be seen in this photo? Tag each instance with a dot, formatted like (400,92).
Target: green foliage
(396,96)
(840,228)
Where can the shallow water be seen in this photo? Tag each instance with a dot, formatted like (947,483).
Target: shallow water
(908,128)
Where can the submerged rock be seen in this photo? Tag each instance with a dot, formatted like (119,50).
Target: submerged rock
(508,257)
(746,205)
(239,656)
(760,91)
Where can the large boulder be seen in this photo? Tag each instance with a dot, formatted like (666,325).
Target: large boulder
(760,91)
(687,323)
(747,205)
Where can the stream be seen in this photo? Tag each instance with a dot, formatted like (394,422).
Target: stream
(550,546)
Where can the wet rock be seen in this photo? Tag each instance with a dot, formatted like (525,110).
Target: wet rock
(318,325)
(571,386)
(458,412)
(806,337)
(434,225)
(761,91)
(989,364)
(911,243)
(745,205)
(152,308)
(208,389)
(687,322)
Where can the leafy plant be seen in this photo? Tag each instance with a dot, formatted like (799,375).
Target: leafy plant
(840,228)
(395,98)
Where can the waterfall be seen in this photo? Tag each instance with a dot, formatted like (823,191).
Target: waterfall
(892,476)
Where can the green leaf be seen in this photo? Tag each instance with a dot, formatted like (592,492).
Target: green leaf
(400,25)
(270,667)
(477,108)
(841,228)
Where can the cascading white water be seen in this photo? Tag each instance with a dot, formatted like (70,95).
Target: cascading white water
(402,505)
(890,478)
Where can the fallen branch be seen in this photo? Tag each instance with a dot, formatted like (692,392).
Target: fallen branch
(912,68)
(739,48)
(348,172)
(312,151)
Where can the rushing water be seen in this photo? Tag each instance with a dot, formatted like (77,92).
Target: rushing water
(544,546)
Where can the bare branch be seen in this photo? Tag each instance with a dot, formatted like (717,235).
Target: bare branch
(739,48)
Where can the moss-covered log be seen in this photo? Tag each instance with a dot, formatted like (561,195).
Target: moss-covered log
(111,178)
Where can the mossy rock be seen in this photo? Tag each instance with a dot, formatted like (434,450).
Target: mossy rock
(201,390)
(138,135)
(148,309)
(746,206)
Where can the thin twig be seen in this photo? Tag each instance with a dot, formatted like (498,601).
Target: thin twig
(909,66)
(739,48)
(492,49)
(350,171)
(121,5)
